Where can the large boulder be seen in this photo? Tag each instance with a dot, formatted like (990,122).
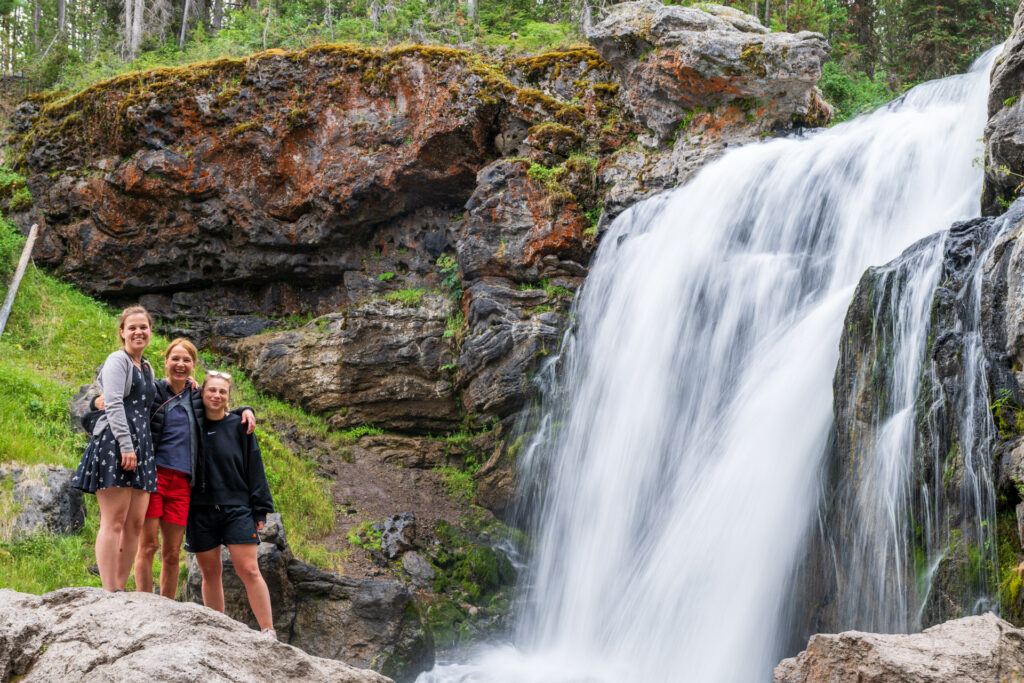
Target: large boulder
(981,648)
(380,363)
(372,623)
(40,500)
(1004,132)
(89,634)
(674,61)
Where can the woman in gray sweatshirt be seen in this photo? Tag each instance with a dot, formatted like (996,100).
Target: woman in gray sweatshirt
(119,465)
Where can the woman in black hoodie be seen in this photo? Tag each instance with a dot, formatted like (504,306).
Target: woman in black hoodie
(230,503)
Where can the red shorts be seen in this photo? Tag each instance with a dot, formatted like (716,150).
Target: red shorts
(170,502)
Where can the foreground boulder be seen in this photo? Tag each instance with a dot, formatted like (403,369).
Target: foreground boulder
(89,634)
(982,648)
(366,622)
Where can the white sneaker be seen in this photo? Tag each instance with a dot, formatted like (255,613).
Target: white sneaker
(270,633)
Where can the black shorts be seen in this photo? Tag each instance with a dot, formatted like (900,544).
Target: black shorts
(210,526)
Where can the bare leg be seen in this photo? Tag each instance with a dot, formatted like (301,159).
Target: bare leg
(149,543)
(248,569)
(130,532)
(114,503)
(213,588)
(170,556)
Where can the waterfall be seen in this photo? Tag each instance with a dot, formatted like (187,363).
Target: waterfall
(680,450)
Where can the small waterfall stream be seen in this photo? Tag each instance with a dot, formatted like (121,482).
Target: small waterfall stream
(679,453)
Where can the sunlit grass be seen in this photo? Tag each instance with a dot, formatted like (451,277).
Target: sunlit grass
(54,343)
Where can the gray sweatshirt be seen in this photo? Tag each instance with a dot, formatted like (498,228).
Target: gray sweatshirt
(116,382)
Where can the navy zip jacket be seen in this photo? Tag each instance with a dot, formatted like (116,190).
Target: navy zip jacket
(156,421)
(231,468)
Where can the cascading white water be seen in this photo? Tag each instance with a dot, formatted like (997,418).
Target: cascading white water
(679,451)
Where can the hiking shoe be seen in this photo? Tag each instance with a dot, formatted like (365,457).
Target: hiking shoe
(270,633)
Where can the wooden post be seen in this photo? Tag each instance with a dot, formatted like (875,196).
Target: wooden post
(12,291)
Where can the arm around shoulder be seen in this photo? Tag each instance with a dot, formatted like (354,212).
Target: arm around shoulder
(260,500)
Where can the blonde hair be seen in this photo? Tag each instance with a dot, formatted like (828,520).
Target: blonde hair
(217,374)
(185,344)
(131,310)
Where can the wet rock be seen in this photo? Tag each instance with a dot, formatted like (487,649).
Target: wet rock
(509,331)
(419,568)
(42,499)
(1004,132)
(380,363)
(981,648)
(371,623)
(90,634)
(399,535)
(946,418)
(674,60)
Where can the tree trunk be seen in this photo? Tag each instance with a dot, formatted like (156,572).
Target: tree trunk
(329,17)
(129,11)
(35,24)
(184,24)
(266,26)
(375,11)
(471,10)
(767,13)
(62,14)
(218,14)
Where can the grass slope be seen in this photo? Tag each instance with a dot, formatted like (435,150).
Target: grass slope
(55,341)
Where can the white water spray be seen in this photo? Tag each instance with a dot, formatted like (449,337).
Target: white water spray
(680,449)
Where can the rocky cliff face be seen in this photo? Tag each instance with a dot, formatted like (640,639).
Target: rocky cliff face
(1004,133)
(942,549)
(393,237)
(233,196)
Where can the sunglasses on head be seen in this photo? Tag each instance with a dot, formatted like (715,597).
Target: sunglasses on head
(218,373)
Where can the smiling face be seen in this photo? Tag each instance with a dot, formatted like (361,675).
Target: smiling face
(216,391)
(135,333)
(178,365)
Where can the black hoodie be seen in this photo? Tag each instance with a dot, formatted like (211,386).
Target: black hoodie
(231,468)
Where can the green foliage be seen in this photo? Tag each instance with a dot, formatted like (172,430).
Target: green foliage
(410,298)
(10,249)
(21,200)
(384,277)
(1008,415)
(354,433)
(448,267)
(547,177)
(851,92)
(455,327)
(366,535)
(458,483)
(43,562)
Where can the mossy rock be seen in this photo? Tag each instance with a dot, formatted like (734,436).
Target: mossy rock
(554,138)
